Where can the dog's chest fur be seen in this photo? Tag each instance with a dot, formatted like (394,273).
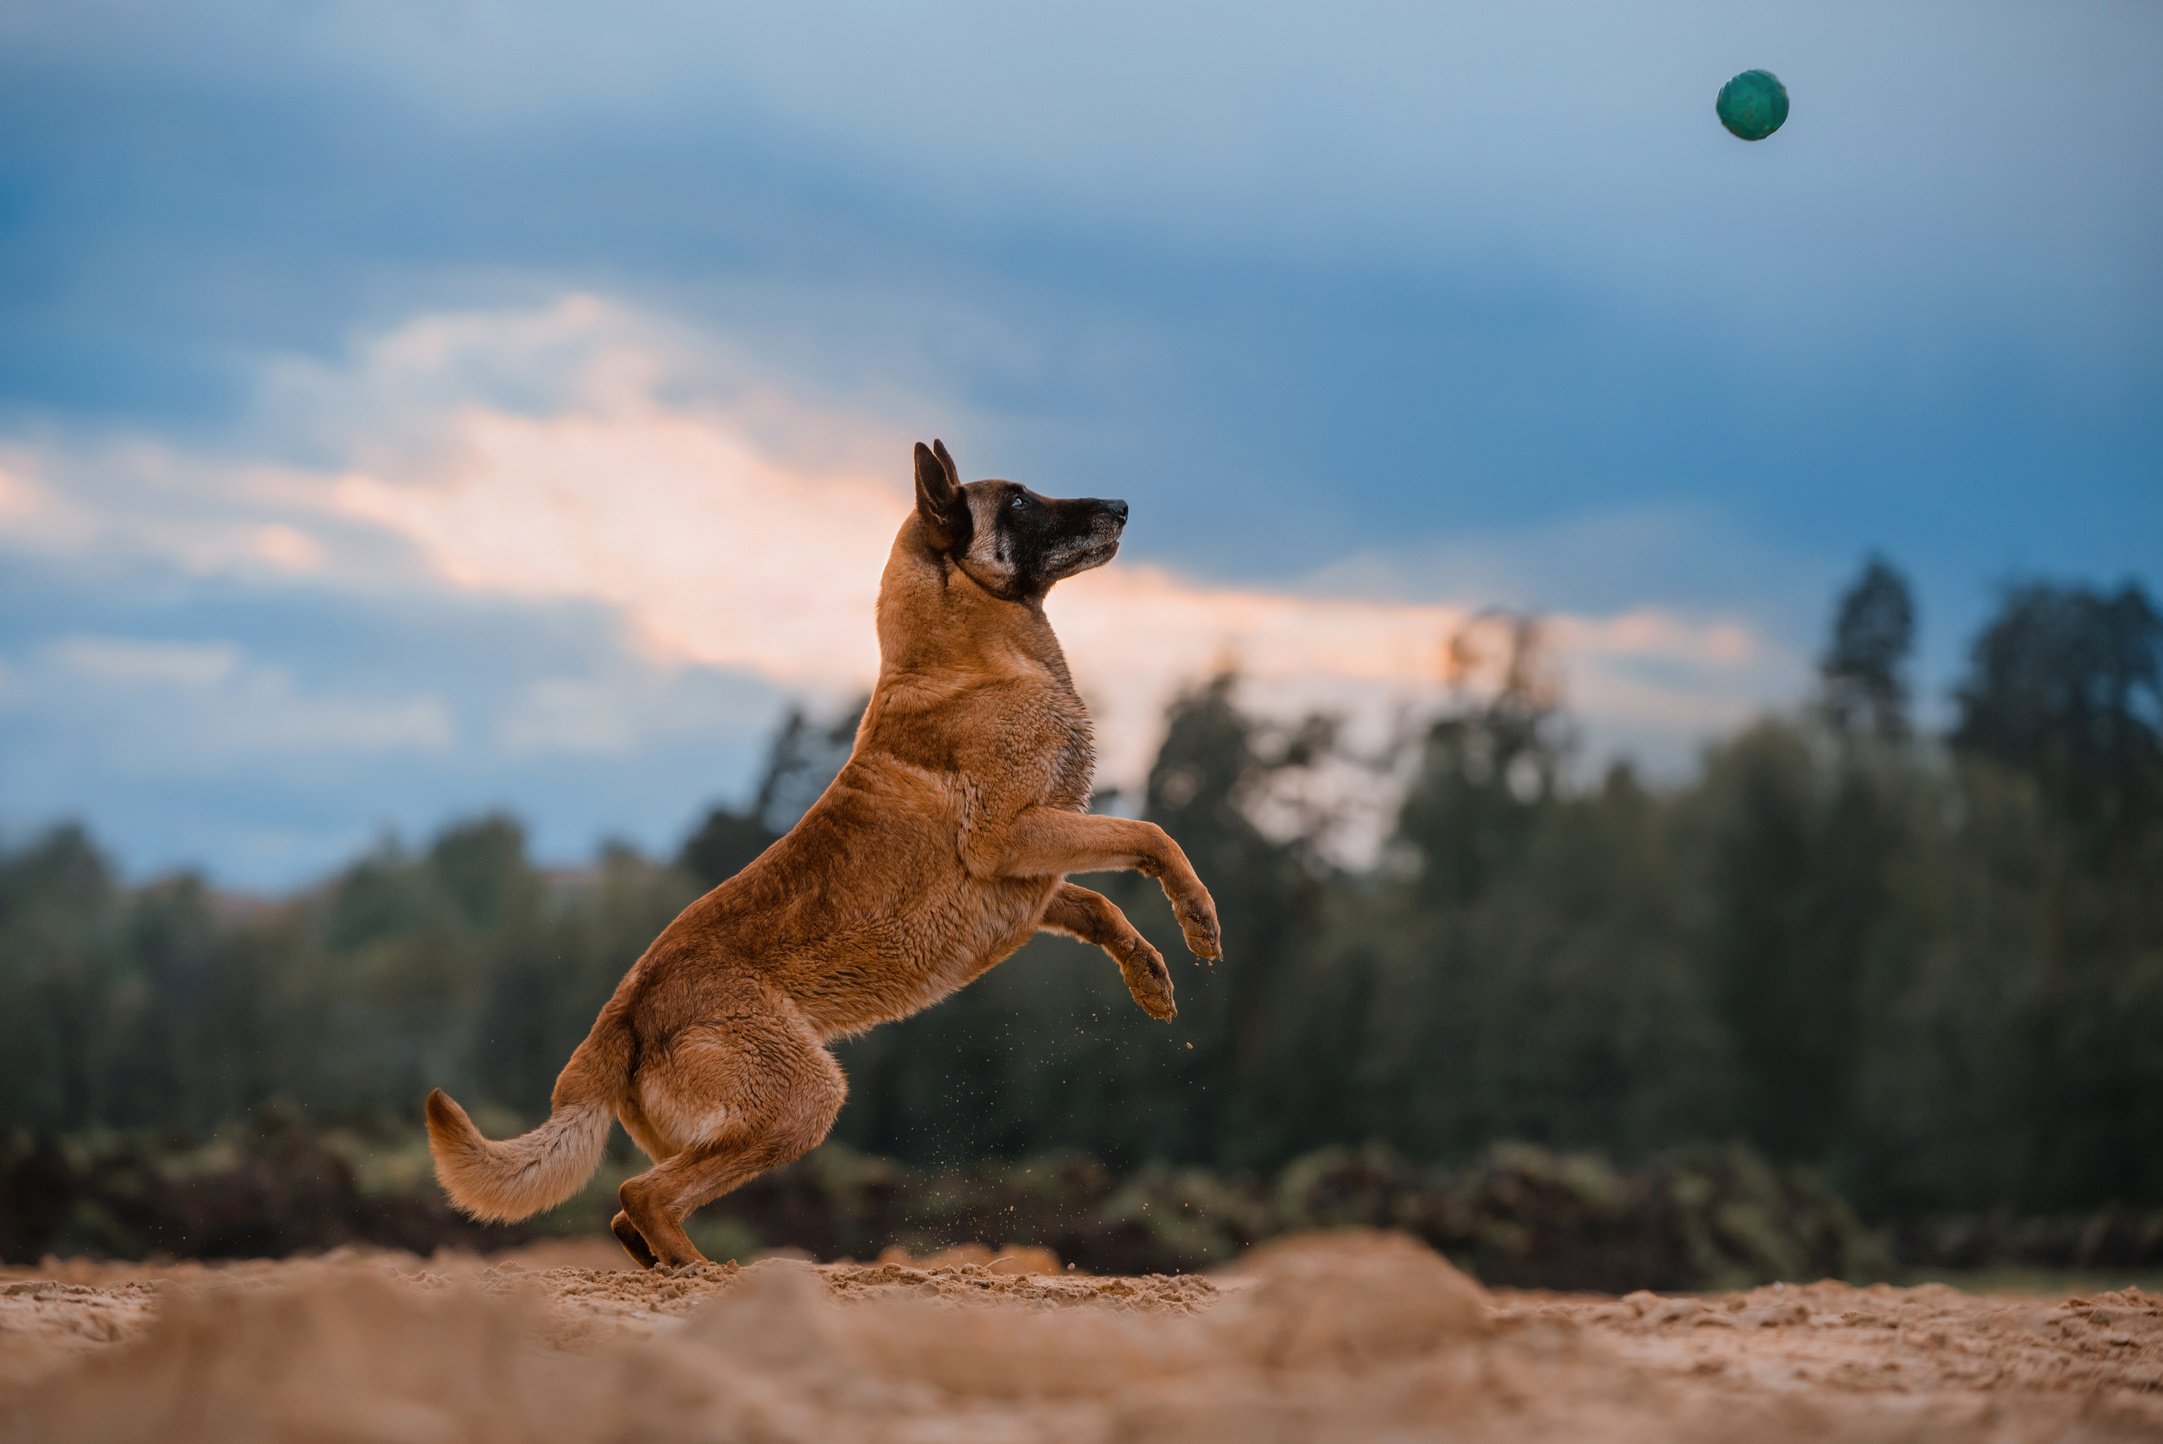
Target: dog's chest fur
(1070,745)
(1045,756)
(885,897)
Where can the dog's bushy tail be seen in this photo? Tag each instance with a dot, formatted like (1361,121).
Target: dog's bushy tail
(518,1177)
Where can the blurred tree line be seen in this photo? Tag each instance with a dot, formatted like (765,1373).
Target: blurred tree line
(1929,965)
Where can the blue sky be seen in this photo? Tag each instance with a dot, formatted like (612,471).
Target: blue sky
(363,368)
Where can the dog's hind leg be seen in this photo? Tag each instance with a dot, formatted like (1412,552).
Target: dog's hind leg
(634,1243)
(656,1147)
(1094,918)
(747,1092)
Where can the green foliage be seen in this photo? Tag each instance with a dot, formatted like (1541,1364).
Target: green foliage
(1702,1218)
(1933,974)
(169,1008)
(267,1187)
(1865,663)
(2066,687)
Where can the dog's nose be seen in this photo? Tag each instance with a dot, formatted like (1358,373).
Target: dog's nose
(1117,509)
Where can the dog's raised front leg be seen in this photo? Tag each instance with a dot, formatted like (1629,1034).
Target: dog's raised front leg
(1051,842)
(1093,918)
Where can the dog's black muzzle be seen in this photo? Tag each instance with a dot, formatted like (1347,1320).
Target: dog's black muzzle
(1109,517)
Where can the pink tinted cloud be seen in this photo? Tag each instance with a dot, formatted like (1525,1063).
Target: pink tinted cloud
(747,530)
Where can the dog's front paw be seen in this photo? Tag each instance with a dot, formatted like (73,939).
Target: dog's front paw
(1197,916)
(1149,981)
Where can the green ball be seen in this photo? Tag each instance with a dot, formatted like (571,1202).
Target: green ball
(1753,105)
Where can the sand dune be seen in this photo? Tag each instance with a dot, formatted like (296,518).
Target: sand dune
(1342,1337)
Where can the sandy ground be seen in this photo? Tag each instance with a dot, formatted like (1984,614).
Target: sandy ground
(1323,1338)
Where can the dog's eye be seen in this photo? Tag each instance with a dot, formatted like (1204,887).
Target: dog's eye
(1018,502)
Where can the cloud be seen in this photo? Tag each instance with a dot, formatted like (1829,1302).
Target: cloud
(193,667)
(1579,135)
(618,713)
(207,512)
(584,452)
(713,553)
(1377,325)
(722,541)
(1348,274)
(269,726)
(207,704)
(19,498)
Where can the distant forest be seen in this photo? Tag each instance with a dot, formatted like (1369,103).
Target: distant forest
(1929,966)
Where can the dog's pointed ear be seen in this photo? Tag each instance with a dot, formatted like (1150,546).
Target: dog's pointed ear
(940,505)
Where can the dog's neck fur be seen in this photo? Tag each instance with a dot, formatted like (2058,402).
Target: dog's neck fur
(941,631)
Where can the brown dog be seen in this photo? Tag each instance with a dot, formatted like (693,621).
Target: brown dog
(941,846)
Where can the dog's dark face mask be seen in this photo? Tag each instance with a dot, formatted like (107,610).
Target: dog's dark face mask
(1009,540)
